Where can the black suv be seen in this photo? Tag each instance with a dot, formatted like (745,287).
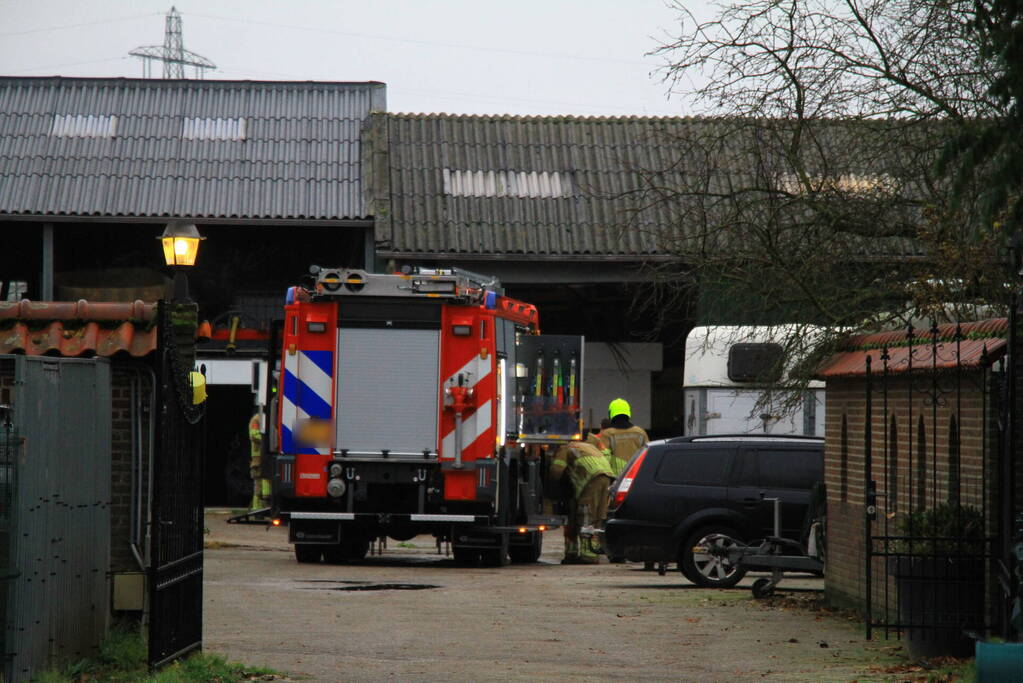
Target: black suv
(676,493)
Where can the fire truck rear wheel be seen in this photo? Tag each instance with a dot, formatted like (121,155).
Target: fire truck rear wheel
(348,550)
(307,553)
(356,548)
(494,557)
(526,554)
(465,557)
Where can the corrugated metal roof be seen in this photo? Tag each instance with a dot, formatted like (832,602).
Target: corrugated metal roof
(521,185)
(464,183)
(443,184)
(979,343)
(118,147)
(77,328)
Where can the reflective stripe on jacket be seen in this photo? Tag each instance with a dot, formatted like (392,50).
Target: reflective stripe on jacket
(580,462)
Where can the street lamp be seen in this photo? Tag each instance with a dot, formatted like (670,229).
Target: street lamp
(180,241)
(180,247)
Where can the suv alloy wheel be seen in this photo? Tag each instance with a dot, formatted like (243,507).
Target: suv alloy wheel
(710,567)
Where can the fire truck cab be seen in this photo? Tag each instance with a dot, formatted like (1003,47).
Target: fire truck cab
(418,403)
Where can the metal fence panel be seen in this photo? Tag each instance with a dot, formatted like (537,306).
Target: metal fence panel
(932,531)
(10,442)
(175,582)
(57,605)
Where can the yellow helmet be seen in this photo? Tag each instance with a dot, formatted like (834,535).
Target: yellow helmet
(198,382)
(619,406)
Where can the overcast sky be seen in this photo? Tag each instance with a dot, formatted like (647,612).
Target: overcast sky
(582,57)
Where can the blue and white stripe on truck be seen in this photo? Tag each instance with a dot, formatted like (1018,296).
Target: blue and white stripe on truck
(307,391)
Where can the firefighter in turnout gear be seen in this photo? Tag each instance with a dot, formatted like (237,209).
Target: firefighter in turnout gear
(594,438)
(622,438)
(583,472)
(260,486)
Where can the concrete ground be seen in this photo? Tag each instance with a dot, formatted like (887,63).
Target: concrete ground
(412,614)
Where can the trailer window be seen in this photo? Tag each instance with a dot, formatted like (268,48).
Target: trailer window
(755,362)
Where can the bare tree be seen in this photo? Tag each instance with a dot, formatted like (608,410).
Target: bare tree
(810,191)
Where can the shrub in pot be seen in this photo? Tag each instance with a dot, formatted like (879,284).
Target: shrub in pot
(938,565)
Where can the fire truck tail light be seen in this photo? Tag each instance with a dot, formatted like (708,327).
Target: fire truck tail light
(628,478)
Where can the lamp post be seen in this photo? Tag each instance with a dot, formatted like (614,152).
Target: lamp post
(180,247)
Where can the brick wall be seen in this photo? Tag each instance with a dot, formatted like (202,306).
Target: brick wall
(131,393)
(899,483)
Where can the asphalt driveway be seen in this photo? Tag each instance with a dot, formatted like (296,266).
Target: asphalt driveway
(412,614)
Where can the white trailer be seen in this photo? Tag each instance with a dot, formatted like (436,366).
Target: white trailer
(724,387)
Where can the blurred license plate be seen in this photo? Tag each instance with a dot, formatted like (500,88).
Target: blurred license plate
(314,433)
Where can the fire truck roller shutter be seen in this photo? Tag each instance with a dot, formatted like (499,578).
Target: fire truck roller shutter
(387,388)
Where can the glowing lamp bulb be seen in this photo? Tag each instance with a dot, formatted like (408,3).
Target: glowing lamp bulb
(180,243)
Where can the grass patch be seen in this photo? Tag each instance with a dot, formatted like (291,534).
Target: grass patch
(941,670)
(214,545)
(122,659)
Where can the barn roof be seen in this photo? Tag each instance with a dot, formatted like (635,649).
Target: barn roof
(559,186)
(493,185)
(187,148)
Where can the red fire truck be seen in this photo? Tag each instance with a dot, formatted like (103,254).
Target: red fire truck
(422,402)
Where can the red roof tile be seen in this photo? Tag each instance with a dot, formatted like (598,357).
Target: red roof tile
(980,341)
(77,328)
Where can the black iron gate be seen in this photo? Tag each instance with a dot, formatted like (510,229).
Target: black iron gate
(175,586)
(932,449)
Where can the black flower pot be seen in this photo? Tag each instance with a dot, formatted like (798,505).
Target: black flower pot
(939,599)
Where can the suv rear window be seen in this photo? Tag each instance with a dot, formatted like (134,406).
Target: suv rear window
(694,466)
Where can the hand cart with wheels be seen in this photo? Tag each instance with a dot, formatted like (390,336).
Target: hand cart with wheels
(778,555)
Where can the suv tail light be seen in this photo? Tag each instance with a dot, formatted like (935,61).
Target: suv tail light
(628,477)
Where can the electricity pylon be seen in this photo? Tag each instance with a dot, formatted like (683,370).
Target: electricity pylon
(172,53)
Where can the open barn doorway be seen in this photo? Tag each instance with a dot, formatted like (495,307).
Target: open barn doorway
(227,482)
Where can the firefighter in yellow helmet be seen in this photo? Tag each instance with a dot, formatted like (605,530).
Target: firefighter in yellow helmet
(621,438)
(583,473)
(260,485)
